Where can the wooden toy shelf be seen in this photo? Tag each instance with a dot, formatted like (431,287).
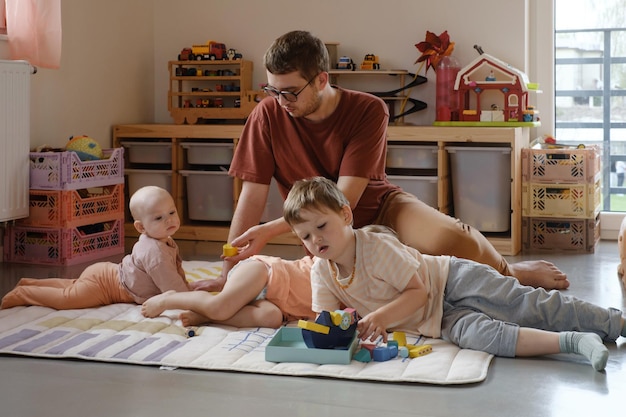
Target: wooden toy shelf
(400,74)
(219,90)
(507,243)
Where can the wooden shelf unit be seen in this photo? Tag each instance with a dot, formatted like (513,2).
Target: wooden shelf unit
(238,74)
(508,243)
(389,98)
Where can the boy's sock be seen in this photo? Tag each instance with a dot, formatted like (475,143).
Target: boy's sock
(587,344)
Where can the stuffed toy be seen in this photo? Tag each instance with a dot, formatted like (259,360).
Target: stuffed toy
(85,147)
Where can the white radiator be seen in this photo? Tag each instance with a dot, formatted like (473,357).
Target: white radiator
(14,138)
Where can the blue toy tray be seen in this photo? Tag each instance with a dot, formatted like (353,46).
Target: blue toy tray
(287,345)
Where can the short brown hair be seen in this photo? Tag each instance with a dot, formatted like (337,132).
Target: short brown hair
(297,51)
(316,193)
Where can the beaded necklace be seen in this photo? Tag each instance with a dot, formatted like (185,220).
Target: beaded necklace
(336,274)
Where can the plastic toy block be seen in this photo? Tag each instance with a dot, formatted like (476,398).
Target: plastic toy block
(382,354)
(314,327)
(400,337)
(363,355)
(403,351)
(420,351)
(342,318)
(350,311)
(229,250)
(369,346)
(393,350)
(393,343)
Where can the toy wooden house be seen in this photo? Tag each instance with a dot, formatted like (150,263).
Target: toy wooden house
(491,90)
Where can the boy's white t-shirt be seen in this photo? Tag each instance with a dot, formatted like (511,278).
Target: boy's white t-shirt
(383,268)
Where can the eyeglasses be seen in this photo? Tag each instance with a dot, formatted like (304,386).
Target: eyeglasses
(287,95)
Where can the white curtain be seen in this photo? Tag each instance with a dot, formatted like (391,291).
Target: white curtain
(34,31)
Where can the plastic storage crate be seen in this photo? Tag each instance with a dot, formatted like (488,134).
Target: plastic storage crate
(274,206)
(481,186)
(57,208)
(424,188)
(203,153)
(412,156)
(581,201)
(65,170)
(554,234)
(138,178)
(63,246)
(210,195)
(148,152)
(561,165)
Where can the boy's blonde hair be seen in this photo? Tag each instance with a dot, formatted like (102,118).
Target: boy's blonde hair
(317,193)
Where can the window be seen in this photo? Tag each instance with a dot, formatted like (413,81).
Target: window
(590,85)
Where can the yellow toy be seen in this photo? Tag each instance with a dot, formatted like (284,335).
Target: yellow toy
(314,327)
(229,250)
(416,351)
(400,337)
(85,147)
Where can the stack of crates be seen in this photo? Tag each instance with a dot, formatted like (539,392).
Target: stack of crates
(561,198)
(76,210)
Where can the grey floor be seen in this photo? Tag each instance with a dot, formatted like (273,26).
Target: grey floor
(561,385)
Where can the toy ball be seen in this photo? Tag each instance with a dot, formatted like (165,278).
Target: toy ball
(85,147)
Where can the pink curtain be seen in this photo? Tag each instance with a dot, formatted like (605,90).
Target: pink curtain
(34,31)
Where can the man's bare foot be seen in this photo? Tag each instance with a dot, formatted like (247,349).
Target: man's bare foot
(539,274)
(154,306)
(191,318)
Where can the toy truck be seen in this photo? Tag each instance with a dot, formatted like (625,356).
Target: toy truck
(186,54)
(345,63)
(209,51)
(370,62)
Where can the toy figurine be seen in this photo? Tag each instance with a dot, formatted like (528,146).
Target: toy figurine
(325,334)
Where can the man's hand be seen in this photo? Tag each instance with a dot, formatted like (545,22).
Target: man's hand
(251,242)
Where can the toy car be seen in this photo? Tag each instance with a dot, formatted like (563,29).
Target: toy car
(233,54)
(346,63)
(370,62)
(186,55)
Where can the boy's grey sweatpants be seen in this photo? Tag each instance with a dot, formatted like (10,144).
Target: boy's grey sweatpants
(483,310)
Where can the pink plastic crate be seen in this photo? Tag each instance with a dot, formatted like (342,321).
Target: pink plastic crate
(56,208)
(581,201)
(59,246)
(65,171)
(554,234)
(562,165)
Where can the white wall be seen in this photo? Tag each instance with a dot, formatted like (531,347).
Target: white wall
(115,52)
(106,75)
(387,29)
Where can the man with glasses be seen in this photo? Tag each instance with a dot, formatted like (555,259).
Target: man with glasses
(309,128)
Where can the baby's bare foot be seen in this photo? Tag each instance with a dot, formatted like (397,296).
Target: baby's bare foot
(191,318)
(539,274)
(154,306)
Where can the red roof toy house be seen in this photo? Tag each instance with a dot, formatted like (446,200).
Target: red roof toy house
(491,92)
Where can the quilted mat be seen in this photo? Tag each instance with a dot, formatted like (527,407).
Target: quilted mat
(119,333)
